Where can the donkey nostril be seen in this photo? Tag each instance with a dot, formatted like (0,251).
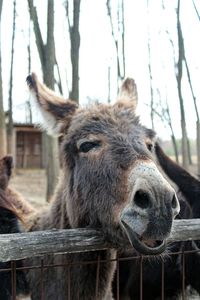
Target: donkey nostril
(142,199)
(174,202)
(175,205)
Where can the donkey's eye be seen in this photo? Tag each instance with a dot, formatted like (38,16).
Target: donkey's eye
(150,147)
(87,146)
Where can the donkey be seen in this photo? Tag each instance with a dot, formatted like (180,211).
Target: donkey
(109,181)
(129,271)
(188,184)
(9,223)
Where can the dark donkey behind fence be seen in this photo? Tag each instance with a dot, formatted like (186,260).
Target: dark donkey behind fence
(9,223)
(109,181)
(175,274)
(189,187)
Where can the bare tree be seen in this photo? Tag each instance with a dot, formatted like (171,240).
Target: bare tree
(59,82)
(198,148)
(10,104)
(179,79)
(150,76)
(28,108)
(75,46)
(118,37)
(3,138)
(196,109)
(163,112)
(109,100)
(197,115)
(47,59)
(121,8)
(28,104)
(178,66)
(196,9)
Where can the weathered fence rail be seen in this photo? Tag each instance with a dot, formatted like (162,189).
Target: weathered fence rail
(23,245)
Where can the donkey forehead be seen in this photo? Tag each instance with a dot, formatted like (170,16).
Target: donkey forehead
(107,120)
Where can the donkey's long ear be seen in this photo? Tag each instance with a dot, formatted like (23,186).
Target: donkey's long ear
(56,111)
(128,92)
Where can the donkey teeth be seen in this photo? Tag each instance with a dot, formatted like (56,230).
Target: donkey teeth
(152,243)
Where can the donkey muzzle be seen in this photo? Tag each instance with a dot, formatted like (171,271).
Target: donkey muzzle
(148,216)
(157,246)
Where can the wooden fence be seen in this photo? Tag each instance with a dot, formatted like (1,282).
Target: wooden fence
(23,245)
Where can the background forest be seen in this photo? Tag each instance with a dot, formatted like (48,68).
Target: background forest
(85,48)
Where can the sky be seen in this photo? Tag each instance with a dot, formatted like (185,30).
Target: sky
(97,52)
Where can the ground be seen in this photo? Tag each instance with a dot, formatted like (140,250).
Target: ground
(31,184)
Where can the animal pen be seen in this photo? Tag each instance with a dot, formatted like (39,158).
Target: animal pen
(21,246)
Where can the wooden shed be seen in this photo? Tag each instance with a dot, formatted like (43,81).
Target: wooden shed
(27,146)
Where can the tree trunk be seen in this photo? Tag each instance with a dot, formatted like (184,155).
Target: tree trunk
(175,148)
(196,10)
(47,58)
(3,138)
(109,100)
(185,160)
(197,115)
(174,143)
(151,88)
(119,38)
(189,152)
(59,82)
(10,110)
(53,164)
(123,39)
(198,149)
(173,138)
(150,77)
(28,104)
(75,45)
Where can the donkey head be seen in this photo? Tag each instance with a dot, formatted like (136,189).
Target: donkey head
(110,177)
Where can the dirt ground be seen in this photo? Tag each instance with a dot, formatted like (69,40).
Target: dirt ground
(31,184)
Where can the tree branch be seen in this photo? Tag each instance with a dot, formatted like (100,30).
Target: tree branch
(1,3)
(38,35)
(114,38)
(191,88)
(196,10)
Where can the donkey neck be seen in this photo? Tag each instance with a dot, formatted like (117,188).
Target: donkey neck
(92,280)
(93,275)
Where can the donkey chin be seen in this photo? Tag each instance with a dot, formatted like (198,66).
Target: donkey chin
(149,242)
(147,234)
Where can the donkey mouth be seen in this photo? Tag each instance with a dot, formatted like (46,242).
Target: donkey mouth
(146,247)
